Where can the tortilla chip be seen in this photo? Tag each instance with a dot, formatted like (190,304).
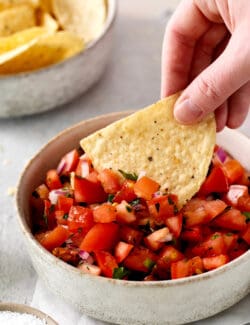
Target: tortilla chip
(15,19)
(150,140)
(46,20)
(46,5)
(4,4)
(83,17)
(46,51)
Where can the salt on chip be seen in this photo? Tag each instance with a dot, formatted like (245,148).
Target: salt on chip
(85,18)
(17,18)
(46,51)
(150,140)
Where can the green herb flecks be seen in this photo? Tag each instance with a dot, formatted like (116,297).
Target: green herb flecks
(247,215)
(120,273)
(110,198)
(130,176)
(128,208)
(215,236)
(66,215)
(135,202)
(45,218)
(148,263)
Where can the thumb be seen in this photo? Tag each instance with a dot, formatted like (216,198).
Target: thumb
(215,84)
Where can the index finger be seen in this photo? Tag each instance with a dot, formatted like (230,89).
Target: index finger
(185,28)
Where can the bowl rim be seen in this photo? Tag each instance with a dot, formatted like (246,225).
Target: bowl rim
(26,309)
(111,14)
(166,283)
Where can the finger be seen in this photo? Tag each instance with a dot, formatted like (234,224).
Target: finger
(205,48)
(221,114)
(215,84)
(186,26)
(238,107)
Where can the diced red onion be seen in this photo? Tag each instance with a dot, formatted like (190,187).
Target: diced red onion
(86,257)
(221,154)
(61,167)
(53,195)
(158,193)
(141,174)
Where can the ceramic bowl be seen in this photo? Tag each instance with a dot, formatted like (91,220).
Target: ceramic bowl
(125,302)
(37,91)
(24,309)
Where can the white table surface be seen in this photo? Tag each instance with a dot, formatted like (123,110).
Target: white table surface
(131,80)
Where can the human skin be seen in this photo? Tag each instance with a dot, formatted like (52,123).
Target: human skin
(206,52)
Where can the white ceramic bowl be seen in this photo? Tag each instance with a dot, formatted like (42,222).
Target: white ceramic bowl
(37,91)
(24,309)
(124,302)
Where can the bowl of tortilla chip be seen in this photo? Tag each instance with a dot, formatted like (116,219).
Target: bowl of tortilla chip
(118,301)
(51,51)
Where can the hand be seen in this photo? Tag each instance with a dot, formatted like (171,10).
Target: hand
(206,51)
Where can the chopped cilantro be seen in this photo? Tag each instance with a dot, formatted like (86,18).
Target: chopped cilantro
(120,272)
(148,263)
(110,197)
(215,236)
(52,208)
(229,234)
(135,202)
(247,215)
(131,176)
(146,228)
(45,218)
(66,215)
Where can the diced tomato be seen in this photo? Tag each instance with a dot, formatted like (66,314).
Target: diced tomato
(104,213)
(53,180)
(161,208)
(80,219)
(110,181)
(234,193)
(214,262)
(192,234)
(102,236)
(232,219)
(145,187)
(131,235)
(197,211)
(156,239)
(126,192)
(90,268)
(246,234)
(233,170)
(125,213)
(106,262)
(64,203)
(181,269)
(216,181)
(197,265)
(238,250)
(230,240)
(167,255)
(244,203)
(245,179)
(140,259)
(54,238)
(214,245)
(122,250)
(60,217)
(175,224)
(88,191)
(68,163)
(49,214)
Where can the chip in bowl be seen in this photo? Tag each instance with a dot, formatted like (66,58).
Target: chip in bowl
(47,50)
(83,17)
(150,140)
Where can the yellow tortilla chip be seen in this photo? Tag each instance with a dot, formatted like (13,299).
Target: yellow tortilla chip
(150,140)
(4,4)
(46,51)
(15,19)
(46,5)
(47,21)
(85,18)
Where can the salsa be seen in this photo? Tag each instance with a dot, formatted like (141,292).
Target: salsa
(125,227)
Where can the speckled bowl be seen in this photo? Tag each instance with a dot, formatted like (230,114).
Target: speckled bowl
(124,302)
(37,91)
(24,309)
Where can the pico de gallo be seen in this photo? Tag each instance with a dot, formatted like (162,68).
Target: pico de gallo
(126,228)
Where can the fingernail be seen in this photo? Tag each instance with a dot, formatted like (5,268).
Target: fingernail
(187,112)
